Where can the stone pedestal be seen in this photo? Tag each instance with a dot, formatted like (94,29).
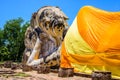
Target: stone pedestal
(1,65)
(66,72)
(26,68)
(101,75)
(35,68)
(7,64)
(14,66)
(43,69)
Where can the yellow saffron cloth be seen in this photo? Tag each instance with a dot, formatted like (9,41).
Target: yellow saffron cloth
(93,42)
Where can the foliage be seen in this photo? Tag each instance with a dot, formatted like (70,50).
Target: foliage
(4,53)
(1,38)
(12,39)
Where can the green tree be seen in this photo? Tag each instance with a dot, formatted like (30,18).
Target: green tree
(3,49)
(4,53)
(14,31)
(21,40)
(1,38)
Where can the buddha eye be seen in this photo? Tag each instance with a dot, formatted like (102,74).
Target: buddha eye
(46,28)
(57,27)
(45,24)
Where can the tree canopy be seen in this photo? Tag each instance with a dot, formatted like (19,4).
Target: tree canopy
(12,39)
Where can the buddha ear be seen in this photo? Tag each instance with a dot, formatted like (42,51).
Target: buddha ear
(33,20)
(65,31)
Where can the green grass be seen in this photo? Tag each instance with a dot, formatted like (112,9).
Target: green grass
(1,62)
(21,74)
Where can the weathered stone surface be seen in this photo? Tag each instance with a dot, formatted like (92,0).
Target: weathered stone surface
(48,27)
(33,75)
(66,72)
(43,69)
(7,64)
(14,66)
(20,65)
(4,71)
(101,75)
(26,68)
(1,65)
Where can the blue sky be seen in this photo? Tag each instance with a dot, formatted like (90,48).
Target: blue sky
(11,9)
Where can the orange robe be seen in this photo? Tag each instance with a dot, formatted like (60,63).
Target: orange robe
(93,42)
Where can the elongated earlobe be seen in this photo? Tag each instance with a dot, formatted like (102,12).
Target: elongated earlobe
(33,20)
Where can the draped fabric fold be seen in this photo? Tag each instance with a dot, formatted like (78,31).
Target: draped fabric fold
(93,42)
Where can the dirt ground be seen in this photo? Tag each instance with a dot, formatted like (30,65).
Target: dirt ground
(33,75)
